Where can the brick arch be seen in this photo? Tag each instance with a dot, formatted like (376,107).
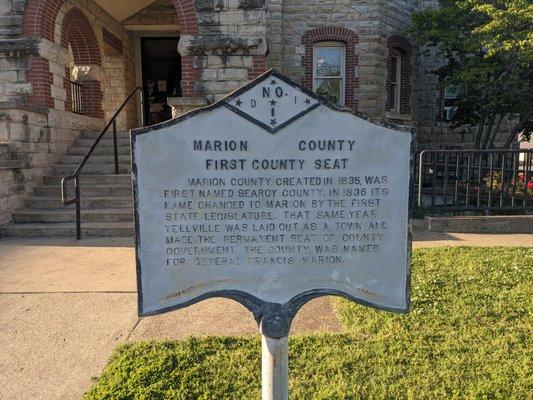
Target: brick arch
(402,45)
(40,16)
(340,34)
(188,22)
(77,32)
(186,16)
(39,21)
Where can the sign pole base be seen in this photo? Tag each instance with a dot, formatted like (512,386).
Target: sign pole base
(275,368)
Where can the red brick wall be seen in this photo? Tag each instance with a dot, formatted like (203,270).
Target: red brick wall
(41,78)
(402,45)
(78,32)
(188,26)
(189,76)
(340,34)
(40,17)
(91,99)
(259,67)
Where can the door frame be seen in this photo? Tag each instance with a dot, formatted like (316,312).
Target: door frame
(137,36)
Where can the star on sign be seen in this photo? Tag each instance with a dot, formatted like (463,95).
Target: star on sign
(273,82)
(273,122)
(272,103)
(238,102)
(307,101)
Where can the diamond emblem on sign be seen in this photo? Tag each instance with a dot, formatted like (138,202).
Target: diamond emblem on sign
(272,102)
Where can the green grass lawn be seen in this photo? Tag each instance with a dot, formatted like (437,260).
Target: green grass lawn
(468,336)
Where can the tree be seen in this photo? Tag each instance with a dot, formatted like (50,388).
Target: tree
(487,47)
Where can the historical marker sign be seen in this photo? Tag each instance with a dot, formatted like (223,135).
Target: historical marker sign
(271,197)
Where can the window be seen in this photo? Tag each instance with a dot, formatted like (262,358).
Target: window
(398,86)
(450,95)
(395,81)
(329,76)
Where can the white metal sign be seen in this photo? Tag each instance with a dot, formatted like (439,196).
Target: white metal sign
(271,197)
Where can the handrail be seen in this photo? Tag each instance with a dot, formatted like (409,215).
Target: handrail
(75,176)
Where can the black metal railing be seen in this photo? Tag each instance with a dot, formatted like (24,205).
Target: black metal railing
(75,94)
(75,176)
(474,181)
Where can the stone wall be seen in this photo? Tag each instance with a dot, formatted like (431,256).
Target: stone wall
(372,22)
(30,143)
(11,18)
(230,46)
(30,61)
(162,12)
(35,128)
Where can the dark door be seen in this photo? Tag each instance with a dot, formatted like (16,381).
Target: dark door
(161,75)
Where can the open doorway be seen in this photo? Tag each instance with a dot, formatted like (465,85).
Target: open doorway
(161,76)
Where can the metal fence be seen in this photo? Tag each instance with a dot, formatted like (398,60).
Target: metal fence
(75,92)
(474,181)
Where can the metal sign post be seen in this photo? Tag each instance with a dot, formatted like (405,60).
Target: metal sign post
(271,198)
(275,368)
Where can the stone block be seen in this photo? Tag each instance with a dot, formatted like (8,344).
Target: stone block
(221,87)
(4,130)
(54,52)
(58,92)
(216,62)
(18,88)
(239,62)
(6,177)
(232,74)
(209,74)
(56,68)
(19,131)
(5,7)
(9,76)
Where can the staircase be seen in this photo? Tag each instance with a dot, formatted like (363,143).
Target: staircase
(106,198)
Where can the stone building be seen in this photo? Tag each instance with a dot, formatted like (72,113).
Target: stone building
(66,66)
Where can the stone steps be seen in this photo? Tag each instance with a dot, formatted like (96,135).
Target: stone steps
(93,135)
(85,190)
(91,179)
(91,203)
(96,159)
(69,215)
(99,150)
(106,142)
(106,198)
(90,169)
(88,229)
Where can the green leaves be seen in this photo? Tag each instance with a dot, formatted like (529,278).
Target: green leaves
(487,48)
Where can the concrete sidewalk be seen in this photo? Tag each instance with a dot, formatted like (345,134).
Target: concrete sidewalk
(67,304)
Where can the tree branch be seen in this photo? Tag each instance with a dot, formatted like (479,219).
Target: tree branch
(488,131)
(496,130)
(480,128)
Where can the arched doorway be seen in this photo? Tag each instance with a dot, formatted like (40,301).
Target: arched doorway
(39,21)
